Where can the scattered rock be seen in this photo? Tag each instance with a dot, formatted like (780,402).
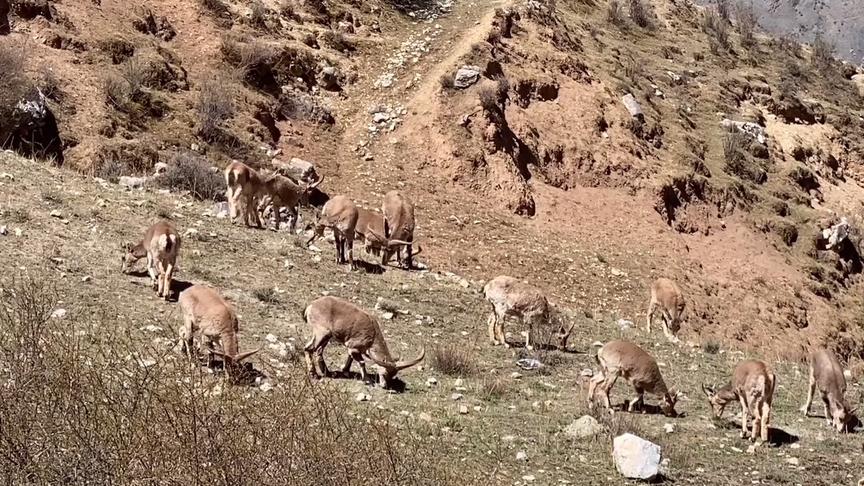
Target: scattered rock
(58,314)
(466,76)
(521,456)
(4,231)
(624,324)
(363,397)
(431,381)
(633,106)
(635,457)
(753,130)
(463,409)
(297,169)
(55,213)
(328,78)
(459,383)
(583,427)
(669,428)
(515,375)
(457,396)
(265,387)
(19,232)
(529,364)
(836,234)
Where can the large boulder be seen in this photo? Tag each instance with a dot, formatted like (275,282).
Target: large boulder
(297,169)
(635,457)
(32,129)
(466,76)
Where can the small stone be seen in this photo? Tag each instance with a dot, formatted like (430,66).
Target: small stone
(424,417)
(669,428)
(456,396)
(363,397)
(521,456)
(86,278)
(387,315)
(466,76)
(528,478)
(751,449)
(459,383)
(583,427)
(55,214)
(588,372)
(515,375)
(59,314)
(794,461)
(4,231)
(463,409)
(431,381)
(265,387)
(380,117)
(271,338)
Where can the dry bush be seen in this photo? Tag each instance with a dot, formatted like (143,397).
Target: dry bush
(192,173)
(125,89)
(336,41)
(492,389)
(216,6)
(286,9)
(736,146)
(488,98)
(258,15)
(215,105)
(724,10)
(746,22)
(640,14)
(717,28)
(446,81)
(48,82)
(267,295)
(15,83)
(452,360)
(615,13)
(90,401)
(822,52)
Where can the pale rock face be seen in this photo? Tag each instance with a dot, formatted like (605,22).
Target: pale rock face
(635,457)
(466,76)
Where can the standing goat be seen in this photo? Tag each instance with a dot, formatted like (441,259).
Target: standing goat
(666,294)
(205,312)
(246,189)
(339,214)
(398,228)
(826,374)
(510,297)
(627,360)
(370,230)
(286,193)
(161,245)
(347,324)
(753,385)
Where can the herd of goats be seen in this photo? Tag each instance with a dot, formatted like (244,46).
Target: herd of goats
(207,315)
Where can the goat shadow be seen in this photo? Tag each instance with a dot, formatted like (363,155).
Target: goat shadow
(177,285)
(246,376)
(647,409)
(776,437)
(369,268)
(396,384)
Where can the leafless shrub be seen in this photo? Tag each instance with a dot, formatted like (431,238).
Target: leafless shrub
(286,9)
(258,15)
(49,84)
(492,388)
(724,10)
(215,105)
(216,6)
(717,28)
(125,408)
(746,22)
(192,173)
(488,98)
(822,52)
(711,347)
(15,83)
(336,41)
(639,13)
(267,295)
(452,360)
(446,81)
(502,90)
(736,145)
(614,13)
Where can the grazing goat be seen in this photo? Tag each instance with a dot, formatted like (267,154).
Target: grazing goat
(205,312)
(398,228)
(667,294)
(246,189)
(339,214)
(161,245)
(286,193)
(753,385)
(621,358)
(509,297)
(370,230)
(347,324)
(826,374)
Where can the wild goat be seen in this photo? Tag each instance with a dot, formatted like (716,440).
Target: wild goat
(398,228)
(161,245)
(205,312)
(753,385)
(667,294)
(347,324)
(339,214)
(621,358)
(370,230)
(286,193)
(510,297)
(826,374)
(245,188)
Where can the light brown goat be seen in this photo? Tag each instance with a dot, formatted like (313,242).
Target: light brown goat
(629,361)
(285,193)
(398,228)
(667,295)
(245,190)
(753,385)
(205,312)
(510,297)
(161,246)
(340,215)
(826,374)
(370,230)
(339,320)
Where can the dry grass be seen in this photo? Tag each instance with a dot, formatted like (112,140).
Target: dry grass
(822,53)
(614,13)
(715,26)
(336,41)
(452,360)
(191,173)
(640,13)
(215,106)
(15,83)
(746,22)
(258,15)
(127,410)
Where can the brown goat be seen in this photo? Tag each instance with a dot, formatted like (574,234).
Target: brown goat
(398,228)
(826,374)
(753,385)
(667,295)
(340,215)
(161,246)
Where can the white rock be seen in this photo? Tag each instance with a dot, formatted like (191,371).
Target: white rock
(632,105)
(271,338)
(363,397)
(624,324)
(515,375)
(669,428)
(459,383)
(751,129)
(456,396)
(59,314)
(86,278)
(132,182)
(431,381)
(793,461)
(521,456)
(160,167)
(265,387)
(635,457)
(4,231)
(463,409)
(466,76)
(387,315)
(424,417)
(583,427)
(55,214)
(528,478)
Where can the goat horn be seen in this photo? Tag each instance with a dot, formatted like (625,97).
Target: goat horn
(316,183)
(236,358)
(400,242)
(401,365)
(419,250)
(383,364)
